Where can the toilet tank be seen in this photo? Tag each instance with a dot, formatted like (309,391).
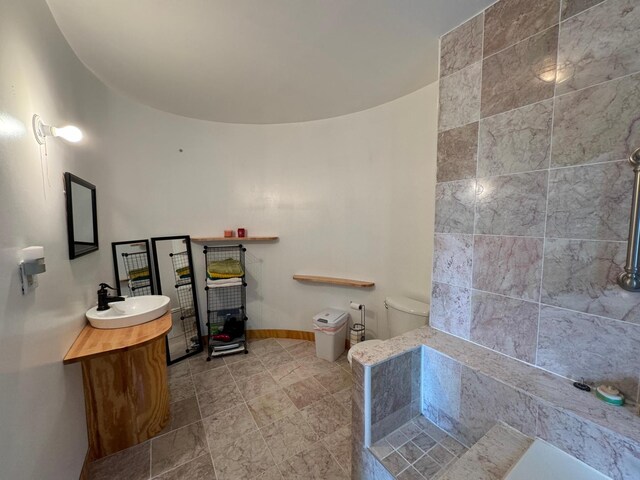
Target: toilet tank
(405,314)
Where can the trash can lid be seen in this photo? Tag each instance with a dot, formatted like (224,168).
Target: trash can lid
(331,317)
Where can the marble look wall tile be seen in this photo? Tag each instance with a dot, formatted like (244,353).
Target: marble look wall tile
(508,22)
(597,124)
(504,324)
(573,7)
(450,309)
(441,387)
(390,386)
(520,75)
(457,153)
(462,46)
(595,446)
(485,401)
(591,201)
(460,98)
(455,203)
(516,141)
(581,275)
(512,204)
(509,266)
(599,45)
(600,350)
(452,259)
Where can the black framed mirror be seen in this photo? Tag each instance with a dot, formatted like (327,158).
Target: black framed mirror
(132,267)
(82,217)
(174,277)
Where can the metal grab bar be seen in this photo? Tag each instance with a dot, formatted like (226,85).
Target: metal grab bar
(630,278)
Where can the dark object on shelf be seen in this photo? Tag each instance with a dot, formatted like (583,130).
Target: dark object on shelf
(173,264)
(226,300)
(582,386)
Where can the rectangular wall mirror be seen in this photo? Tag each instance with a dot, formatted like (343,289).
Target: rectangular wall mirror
(173,270)
(82,218)
(132,267)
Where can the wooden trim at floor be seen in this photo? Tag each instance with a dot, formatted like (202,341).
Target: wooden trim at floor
(84,473)
(277,333)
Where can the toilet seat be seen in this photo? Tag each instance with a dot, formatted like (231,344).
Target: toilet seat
(361,346)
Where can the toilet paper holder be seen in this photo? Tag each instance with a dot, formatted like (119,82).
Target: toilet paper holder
(357,330)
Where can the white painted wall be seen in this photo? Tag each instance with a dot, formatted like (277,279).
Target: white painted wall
(42,421)
(350,196)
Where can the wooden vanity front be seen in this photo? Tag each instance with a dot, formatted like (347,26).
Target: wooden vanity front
(126,392)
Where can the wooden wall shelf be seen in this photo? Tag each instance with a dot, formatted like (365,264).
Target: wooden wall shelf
(234,239)
(344,282)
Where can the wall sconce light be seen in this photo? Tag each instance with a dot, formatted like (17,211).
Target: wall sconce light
(41,130)
(31,264)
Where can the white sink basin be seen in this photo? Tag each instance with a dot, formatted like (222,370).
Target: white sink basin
(130,312)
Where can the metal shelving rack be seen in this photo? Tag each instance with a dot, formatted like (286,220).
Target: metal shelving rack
(226,302)
(184,293)
(137,261)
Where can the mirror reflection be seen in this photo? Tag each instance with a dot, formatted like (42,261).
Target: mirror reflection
(82,222)
(132,266)
(173,267)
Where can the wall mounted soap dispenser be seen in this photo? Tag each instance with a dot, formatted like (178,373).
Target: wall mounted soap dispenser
(31,264)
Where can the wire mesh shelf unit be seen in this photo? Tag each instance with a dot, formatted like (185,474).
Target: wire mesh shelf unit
(184,293)
(226,299)
(139,281)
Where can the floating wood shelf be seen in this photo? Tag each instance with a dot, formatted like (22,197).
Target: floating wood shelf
(344,282)
(234,239)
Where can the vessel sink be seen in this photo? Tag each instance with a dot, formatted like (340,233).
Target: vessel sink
(132,311)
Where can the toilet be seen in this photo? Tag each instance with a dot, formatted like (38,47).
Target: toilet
(403,314)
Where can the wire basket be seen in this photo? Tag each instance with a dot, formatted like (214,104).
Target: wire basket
(137,261)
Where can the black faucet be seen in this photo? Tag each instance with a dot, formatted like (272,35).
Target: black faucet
(104,299)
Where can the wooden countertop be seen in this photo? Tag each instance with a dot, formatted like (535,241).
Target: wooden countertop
(93,342)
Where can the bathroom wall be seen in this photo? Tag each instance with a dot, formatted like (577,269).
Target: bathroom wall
(42,416)
(349,197)
(534,190)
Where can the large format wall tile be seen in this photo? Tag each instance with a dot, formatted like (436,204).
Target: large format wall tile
(581,275)
(457,153)
(390,387)
(597,124)
(460,98)
(595,446)
(512,204)
(509,266)
(522,74)
(504,324)
(462,46)
(450,309)
(485,401)
(597,349)
(441,389)
(573,7)
(508,22)
(516,141)
(591,201)
(455,204)
(452,259)
(599,45)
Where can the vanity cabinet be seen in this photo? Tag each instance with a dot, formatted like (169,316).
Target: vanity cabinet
(124,375)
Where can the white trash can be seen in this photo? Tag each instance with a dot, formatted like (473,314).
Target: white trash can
(330,328)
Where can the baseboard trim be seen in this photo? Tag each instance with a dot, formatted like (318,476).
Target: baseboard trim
(277,333)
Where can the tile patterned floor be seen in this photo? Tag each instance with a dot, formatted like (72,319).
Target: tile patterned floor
(278,413)
(418,450)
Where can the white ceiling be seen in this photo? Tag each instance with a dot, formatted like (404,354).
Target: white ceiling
(261,61)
